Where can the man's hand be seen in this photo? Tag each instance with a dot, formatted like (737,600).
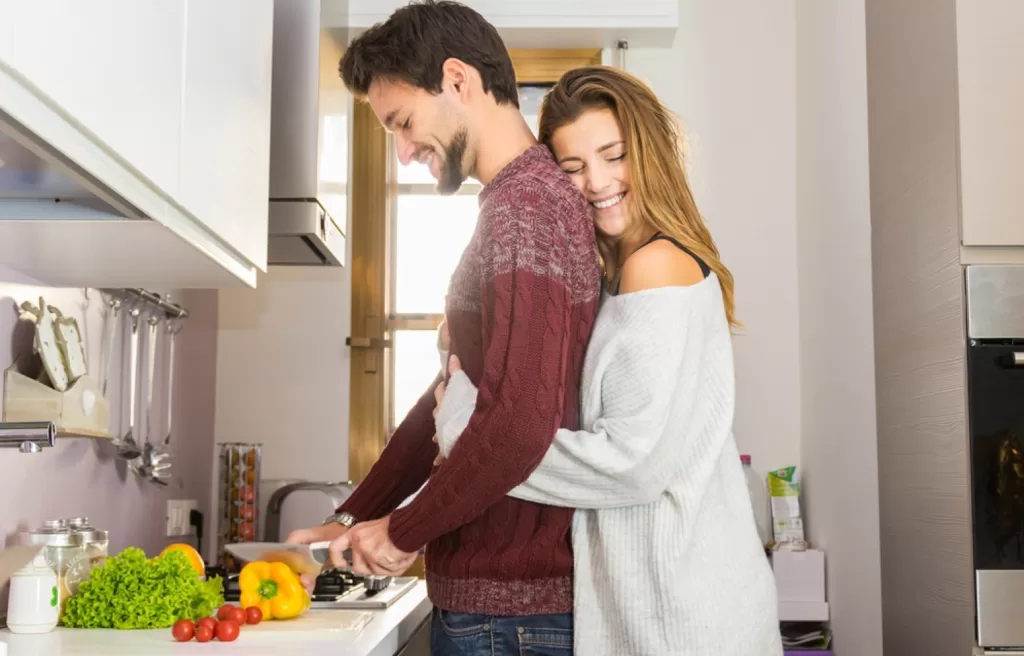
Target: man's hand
(326,533)
(372,550)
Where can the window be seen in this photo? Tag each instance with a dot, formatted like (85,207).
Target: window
(401,271)
(429,233)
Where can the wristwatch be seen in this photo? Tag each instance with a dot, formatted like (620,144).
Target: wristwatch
(345,519)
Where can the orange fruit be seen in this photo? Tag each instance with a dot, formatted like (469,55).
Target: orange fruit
(191,553)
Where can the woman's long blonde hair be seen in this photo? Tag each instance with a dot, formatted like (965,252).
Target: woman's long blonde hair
(661,195)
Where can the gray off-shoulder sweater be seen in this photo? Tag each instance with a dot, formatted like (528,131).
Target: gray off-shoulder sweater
(668,559)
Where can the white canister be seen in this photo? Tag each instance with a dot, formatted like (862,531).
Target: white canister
(33,603)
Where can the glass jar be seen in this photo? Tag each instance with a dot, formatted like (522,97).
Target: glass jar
(95,544)
(61,547)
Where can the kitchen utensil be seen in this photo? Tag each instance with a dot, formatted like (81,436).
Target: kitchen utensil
(70,344)
(114,307)
(301,558)
(172,332)
(127,448)
(150,467)
(160,459)
(45,343)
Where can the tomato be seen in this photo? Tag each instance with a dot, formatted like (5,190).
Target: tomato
(253,615)
(237,615)
(248,513)
(224,612)
(208,622)
(183,630)
(204,633)
(246,530)
(227,630)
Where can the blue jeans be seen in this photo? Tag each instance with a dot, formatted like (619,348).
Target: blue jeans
(463,634)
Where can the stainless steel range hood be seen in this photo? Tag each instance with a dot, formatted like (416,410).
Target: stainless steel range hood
(309,140)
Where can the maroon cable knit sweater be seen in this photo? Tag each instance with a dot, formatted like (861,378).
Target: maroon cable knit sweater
(520,308)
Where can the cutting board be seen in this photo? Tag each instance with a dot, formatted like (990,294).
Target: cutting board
(326,624)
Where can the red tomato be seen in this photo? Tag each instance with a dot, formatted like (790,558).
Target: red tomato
(246,530)
(253,615)
(247,495)
(224,612)
(237,615)
(208,622)
(227,630)
(248,513)
(183,630)
(204,633)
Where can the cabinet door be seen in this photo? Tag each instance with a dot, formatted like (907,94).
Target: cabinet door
(990,53)
(115,66)
(226,140)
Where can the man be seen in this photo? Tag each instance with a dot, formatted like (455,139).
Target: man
(520,308)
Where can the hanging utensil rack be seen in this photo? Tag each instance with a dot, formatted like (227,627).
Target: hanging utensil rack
(153,300)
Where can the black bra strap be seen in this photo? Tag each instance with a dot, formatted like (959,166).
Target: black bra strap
(704,268)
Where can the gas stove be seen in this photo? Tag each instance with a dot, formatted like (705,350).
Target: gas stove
(337,588)
(343,589)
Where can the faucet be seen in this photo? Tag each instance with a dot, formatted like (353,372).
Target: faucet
(338,493)
(27,436)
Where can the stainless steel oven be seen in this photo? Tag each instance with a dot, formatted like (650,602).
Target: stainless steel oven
(995,384)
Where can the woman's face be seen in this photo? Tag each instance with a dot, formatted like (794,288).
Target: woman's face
(592,152)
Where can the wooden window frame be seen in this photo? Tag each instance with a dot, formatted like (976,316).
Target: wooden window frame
(373,194)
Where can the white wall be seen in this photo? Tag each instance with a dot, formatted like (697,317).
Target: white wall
(283,370)
(838,447)
(731,78)
(82,476)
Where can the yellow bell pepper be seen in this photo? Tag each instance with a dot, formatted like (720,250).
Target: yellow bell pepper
(274,588)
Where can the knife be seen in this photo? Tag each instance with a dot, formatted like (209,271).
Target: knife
(14,558)
(301,558)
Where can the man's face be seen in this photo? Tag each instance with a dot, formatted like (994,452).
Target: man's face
(428,129)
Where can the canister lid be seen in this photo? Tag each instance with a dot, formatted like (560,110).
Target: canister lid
(80,525)
(49,535)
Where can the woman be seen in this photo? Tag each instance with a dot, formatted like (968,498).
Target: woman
(668,559)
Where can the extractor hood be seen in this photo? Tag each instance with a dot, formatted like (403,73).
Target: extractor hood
(309,140)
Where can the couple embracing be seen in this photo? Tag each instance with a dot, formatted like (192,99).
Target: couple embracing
(588,495)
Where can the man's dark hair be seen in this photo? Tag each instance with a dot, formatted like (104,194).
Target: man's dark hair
(413,43)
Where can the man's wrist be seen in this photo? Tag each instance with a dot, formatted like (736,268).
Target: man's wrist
(346,519)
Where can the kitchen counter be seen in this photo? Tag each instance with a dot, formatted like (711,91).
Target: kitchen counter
(387,633)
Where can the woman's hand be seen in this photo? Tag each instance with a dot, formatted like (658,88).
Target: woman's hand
(453,366)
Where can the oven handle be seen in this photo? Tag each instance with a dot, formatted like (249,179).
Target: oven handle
(1018,358)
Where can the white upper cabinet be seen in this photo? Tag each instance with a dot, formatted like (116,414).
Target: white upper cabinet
(543,23)
(990,57)
(225,164)
(149,122)
(115,66)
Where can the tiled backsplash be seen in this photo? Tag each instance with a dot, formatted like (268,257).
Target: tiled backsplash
(82,476)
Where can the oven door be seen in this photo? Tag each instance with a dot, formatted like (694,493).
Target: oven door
(996,398)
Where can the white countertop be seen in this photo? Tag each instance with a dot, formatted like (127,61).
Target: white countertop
(383,636)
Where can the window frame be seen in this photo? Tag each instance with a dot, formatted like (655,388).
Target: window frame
(374,193)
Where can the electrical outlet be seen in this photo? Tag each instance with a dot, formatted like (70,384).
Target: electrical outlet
(178,511)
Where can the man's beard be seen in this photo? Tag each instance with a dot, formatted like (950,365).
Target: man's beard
(452,176)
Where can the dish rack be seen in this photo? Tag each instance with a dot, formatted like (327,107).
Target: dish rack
(239,494)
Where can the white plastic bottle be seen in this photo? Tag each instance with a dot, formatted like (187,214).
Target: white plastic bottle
(758,490)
